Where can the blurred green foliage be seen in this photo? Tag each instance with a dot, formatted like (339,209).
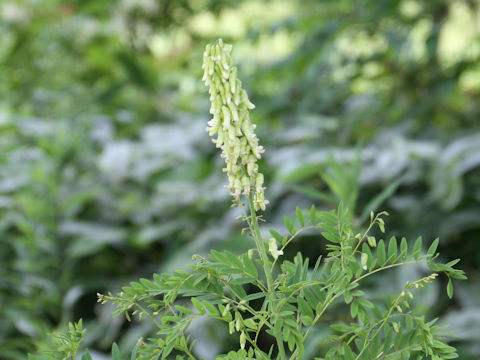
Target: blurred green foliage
(107,174)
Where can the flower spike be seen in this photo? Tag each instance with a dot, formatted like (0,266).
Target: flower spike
(231,123)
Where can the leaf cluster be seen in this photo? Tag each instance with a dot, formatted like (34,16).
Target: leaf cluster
(300,298)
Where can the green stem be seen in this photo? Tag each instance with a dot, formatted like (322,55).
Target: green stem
(259,242)
(368,338)
(268,271)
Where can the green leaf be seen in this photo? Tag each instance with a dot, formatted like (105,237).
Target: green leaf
(452,263)
(417,248)
(307,320)
(115,352)
(184,309)
(433,247)
(149,284)
(198,278)
(134,352)
(250,323)
(170,343)
(239,290)
(211,308)
(349,355)
(216,256)
(376,312)
(365,303)
(86,355)
(299,216)
(328,218)
(250,267)
(387,343)
(381,257)
(290,341)
(278,237)
(289,224)
(354,309)
(254,296)
(435,267)
(348,297)
(233,260)
(403,248)
(450,288)
(358,293)
(331,236)
(362,315)
(315,268)
(243,280)
(304,307)
(198,305)
(457,274)
(392,249)
(157,278)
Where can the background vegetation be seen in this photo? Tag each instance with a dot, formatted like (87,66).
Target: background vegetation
(107,174)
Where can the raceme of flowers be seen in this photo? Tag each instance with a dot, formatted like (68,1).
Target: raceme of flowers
(231,122)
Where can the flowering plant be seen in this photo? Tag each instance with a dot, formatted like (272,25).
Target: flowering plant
(263,293)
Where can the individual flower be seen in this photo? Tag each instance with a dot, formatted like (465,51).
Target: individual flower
(273,249)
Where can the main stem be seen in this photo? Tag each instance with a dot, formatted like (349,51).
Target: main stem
(268,271)
(259,243)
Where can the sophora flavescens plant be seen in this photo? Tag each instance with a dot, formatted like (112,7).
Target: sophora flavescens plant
(287,299)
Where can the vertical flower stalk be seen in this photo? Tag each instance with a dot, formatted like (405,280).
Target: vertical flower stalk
(231,123)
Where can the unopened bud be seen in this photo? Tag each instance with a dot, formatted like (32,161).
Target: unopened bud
(243,340)
(363,261)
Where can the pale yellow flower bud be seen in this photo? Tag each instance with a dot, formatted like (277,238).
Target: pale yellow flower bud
(363,260)
(226,117)
(243,340)
(246,185)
